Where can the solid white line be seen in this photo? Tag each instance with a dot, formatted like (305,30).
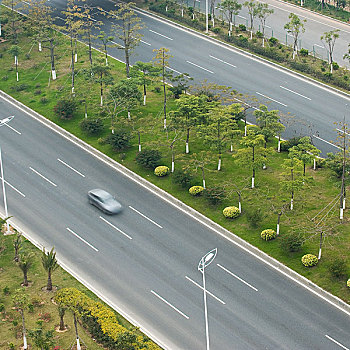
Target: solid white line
(241,16)
(166,37)
(13,129)
(336,342)
(199,286)
(45,178)
(144,42)
(116,228)
(271,99)
(153,222)
(117,44)
(176,71)
(82,239)
(218,59)
(330,143)
(68,166)
(235,276)
(322,47)
(282,87)
(267,26)
(13,187)
(342,131)
(196,65)
(172,306)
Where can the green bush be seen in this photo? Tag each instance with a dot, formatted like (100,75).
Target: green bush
(182,178)
(291,242)
(65,108)
(242,27)
(92,126)
(214,195)
(216,30)
(254,217)
(2,307)
(273,41)
(309,260)
(286,145)
(335,65)
(196,190)
(258,34)
(231,212)
(149,158)
(338,268)
(20,87)
(119,141)
(304,52)
(268,234)
(161,170)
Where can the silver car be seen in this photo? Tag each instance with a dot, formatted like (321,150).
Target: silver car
(104,201)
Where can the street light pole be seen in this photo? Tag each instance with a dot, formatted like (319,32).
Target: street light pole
(203,263)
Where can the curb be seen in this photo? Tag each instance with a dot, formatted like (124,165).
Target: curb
(335,301)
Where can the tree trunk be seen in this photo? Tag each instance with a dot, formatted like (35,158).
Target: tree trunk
(49,281)
(25,345)
(76,331)
(139,137)
(101,90)
(164,89)
(25,277)
(62,327)
(203,177)
(144,94)
(320,249)
(127,61)
(187,141)
(72,63)
(52,54)
(90,50)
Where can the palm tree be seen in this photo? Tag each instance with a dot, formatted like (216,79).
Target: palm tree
(61,312)
(17,244)
(24,263)
(50,264)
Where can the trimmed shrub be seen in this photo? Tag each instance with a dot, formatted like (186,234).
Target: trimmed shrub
(258,34)
(92,126)
(254,217)
(291,242)
(214,195)
(268,234)
(242,27)
(304,52)
(20,87)
(119,141)
(196,190)
(161,170)
(273,41)
(183,178)
(65,108)
(231,212)
(148,158)
(335,65)
(338,268)
(309,260)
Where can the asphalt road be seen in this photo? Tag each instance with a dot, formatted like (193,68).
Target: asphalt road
(145,259)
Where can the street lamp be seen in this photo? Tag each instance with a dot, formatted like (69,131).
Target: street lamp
(4,122)
(206,260)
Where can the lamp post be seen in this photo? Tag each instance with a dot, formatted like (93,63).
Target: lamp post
(4,122)
(203,263)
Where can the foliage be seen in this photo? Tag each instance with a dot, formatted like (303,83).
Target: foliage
(291,242)
(214,195)
(65,108)
(182,177)
(42,339)
(148,158)
(92,126)
(268,234)
(304,52)
(286,145)
(335,163)
(119,141)
(161,170)
(50,264)
(231,212)
(348,283)
(196,190)
(338,268)
(309,260)
(254,217)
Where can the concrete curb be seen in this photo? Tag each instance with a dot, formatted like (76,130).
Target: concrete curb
(186,209)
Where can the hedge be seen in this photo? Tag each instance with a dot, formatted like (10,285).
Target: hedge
(161,170)
(231,212)
(309,260)
(268,234)
(196,190)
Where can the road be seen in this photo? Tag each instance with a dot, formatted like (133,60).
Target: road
(144,261)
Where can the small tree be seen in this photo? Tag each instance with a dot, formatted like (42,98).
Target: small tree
(231,9)
(20,302)
(25,263)
(329,39)
(61,313)
(102,76)
(253,11)
(15,50)
(295,27)
(44,340)
(17,245)
(263,13)
(105,40)
(50,264)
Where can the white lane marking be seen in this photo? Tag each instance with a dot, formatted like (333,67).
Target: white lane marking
(199,286)
(235,276)
(267,26)
(342,131)
(269,98)
(13,129)
(68,166)
(322,47)
(218,59)
(294,92)
(138,212)
(196,65)
(176,71)
(164,36)
(116,228)
(330,143)
(336,342)
(45,178)
(172,306)
(13,187)
(117,44)
(144,42)
(241,16)
(82,239)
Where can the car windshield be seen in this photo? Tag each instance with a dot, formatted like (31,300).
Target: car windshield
(106,197)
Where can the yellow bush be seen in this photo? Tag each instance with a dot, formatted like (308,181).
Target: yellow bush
(161,170)
(309,260)
(231,212)
(268,234)
(196,190)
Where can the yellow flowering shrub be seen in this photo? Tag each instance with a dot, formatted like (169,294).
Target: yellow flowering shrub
(161,170)
(196,190)
(309,260)
(231,212)
(268,234)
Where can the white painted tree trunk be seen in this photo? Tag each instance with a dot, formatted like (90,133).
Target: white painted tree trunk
(251,34)
(164,123)
(101,102)
(230,27)
(319,253)
(279,146)
(17,76)
(240,207)
(314,163)
(16,61)
(187,148)
(253,180)
(182,12)
(245,130)
(293,54)
(291,204)
(129,116)
(331,68)
(144,100)
(40,48)
(213,21)
(231,148)
(25,345)
(278,229)
(219,165)
(113,131)
(139,147)
(264,167)
(78,344)
(166,8)
(172,166)
(229,33)
(106,61)
(192,15)
(73,90)
(85,115)
(344,203)
(203,183)
(263,42)
(76,58)
(341,215)
(53,74)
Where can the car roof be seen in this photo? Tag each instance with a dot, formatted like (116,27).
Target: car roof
(100,193)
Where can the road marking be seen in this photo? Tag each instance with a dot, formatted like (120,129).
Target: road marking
(282,87)
(45,178)
(218,59)
(269,98)
(68,166)
(241,16)
(267,26)
(330,143)
(13,187)
(211,294)
(118,44)
(153,222)
(176,71)
(235,276)
(196,65)
(164,36)
(172,306)
(336,342)
(322,47)
(116,228)
(144,42)
(82,239)
(342,131)
(13,129)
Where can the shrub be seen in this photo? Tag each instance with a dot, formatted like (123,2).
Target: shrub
(149,158)
(286,145)
(268,234)
(2,307)
(335,65)
(242,27)
(335,163)
(291,242)
(214,195)
(273,41)
(309,260)
(5,77)
(182,178)
(216,30)
(258,34)
(6,290)
(231,212)
(30,308)
(92,126)
(254,217)
(304,52)
(20,87)
(119,141)
(161,170)
(196,190)
(44,100)
(37,92)
(65,108)
(348,283)
(338,268)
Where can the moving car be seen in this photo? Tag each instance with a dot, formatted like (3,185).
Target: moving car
(104,201)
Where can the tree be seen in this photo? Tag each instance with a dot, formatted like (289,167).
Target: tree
(253,11)
(329,39)
(161,60)
(182,84)
(101,75)
(231,9)
(50,264)
(44,340)
(295,27)
(105,40)
(17,245)
(15,50)
(15,19)
(127,29)
(263,13)
(20,302)
(61,313)
(25,262)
